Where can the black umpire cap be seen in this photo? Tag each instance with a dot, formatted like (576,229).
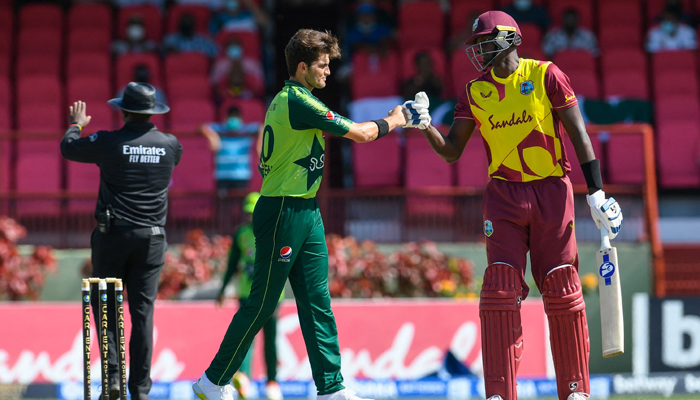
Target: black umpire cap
(140,98)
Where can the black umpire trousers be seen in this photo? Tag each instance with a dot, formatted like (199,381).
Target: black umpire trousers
(136,255)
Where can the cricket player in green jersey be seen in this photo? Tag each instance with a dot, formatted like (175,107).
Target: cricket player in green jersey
(241,262)
(289,235)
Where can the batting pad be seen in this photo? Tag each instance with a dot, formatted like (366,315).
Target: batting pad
(568,330)
(501,329)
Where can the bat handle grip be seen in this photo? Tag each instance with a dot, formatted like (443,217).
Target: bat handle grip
(604,239)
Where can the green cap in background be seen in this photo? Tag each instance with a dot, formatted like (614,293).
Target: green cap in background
(249,202)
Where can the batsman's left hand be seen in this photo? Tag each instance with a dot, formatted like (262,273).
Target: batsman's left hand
(416,112)
(605,212)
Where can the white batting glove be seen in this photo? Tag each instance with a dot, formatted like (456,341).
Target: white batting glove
(606,212)
(416,112)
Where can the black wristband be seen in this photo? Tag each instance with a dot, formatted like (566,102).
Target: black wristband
(591,171)
(383,127)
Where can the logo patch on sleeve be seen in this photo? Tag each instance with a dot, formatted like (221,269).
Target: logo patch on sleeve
(488,228)
(93,137)
(331,115)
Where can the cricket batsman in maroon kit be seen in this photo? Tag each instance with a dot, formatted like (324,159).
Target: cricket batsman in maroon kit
(522,107)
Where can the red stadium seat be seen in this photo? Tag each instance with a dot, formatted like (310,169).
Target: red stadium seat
(677,107)
(408,63)
(38,90)
(89,40)
(7,19)
(89,64)
(5,102)
(195,173)
(250,42)
(187,64)
(82,178)
(5,156)
(374,76)
(188,115)
(45,42)
(472,166)
(6,34)
(677,147)
(570,60)
(425,14)
(619,37)
(252,110)
(189,87)
(39,101)
(584,8)
(585,83)
(675,83)
(5,64)
(38,171)
(128,62)
(37,65)
(666,61)
(41,16)
(89,89)
(90,15)
(625,159)
(576,175)
(377,164)
(425,169)
(152,21)
(625,74)
(462,11)
(656,7)
(621,13)
(201,15)
(462,71)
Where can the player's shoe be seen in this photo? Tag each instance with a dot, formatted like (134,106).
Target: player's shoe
(273,391)
(242,384)
(578,396)
(344,394)
(205,390)
(495,397)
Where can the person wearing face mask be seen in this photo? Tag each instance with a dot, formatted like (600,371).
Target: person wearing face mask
(187,39)
(671,34)
(239,15)
(368,33)
(570,36)
(526,12)
(230,140)
(135,40)
(234,56)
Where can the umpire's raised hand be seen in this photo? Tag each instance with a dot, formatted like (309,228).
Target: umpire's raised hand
(78,114)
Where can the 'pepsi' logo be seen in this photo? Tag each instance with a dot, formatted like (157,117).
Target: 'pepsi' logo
(286,252)
(330,115)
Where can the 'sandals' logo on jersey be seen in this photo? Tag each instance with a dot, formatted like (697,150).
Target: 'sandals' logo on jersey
(510,122)
(488,228)
(285,253)
(527,87)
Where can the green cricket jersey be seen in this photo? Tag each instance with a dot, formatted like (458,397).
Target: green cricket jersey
(292,160)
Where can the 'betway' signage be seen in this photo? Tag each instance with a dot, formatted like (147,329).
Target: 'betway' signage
(666,334)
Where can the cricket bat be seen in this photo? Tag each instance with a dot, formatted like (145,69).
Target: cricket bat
(610,298)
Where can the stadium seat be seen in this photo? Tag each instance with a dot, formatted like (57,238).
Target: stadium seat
(89,64)
(472,166)
(585,83)
(251,110)
(201,15)
(41,16)
(90,15)
(570,60)
(186,64)
(677,147)
(620,13)
(461,12)
(5,103)
(89,89)
(5,64)
(189,87)
(666,61)
(675,83)
(377,164)
(584,8)
(152,21)
(37,90)
(625,74)
(619,37)
(38,65)
(102,116)
(6,36)
(408,64)
(625,159)
(425,169)
(677,107)
(128,62)
(656,7)
(89,40)
(82,178)
(5,156)
(425,14)
(462,71)
(576,175)
(250,42)
(374,76)
(39,101)
(38,171)
(194,174)
(45,42)
(188,115)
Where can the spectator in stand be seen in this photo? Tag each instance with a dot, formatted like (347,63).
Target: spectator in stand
(239,15)
(233,54)
(570,36)
(239,84)
(367,33)
(676,7)
(231,141)
(143,75)
(135,39)
(186,39)
(671,34)
(425,80)
(525,12)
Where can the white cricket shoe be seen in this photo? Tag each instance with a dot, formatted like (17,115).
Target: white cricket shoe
(273,391)
(495,397)
(206,390)
(344,394)
(578,396)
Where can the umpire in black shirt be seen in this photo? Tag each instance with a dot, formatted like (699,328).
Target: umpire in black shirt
(136,163)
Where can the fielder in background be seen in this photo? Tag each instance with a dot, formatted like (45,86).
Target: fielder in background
(241,262)
(289,235)
(136,164)
(520,105)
